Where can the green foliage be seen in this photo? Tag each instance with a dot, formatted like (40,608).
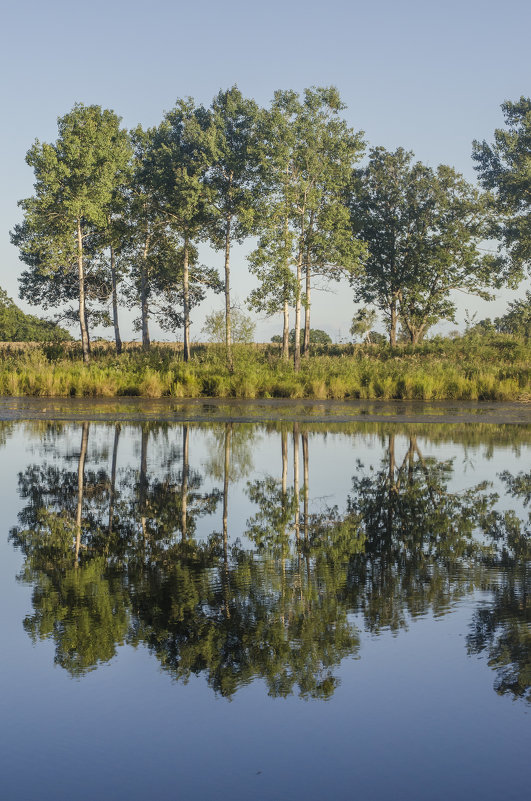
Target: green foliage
(243,326)
(362,322)
(76,179)
(505,168)
(317,337)
(307,153)
(423,228)
(517,320)
(15,326)
(108,206)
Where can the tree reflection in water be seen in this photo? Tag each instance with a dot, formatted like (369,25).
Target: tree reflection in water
(112,555)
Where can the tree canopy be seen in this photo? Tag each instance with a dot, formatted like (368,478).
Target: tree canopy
(15,326)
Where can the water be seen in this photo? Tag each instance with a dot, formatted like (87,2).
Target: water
(275,610)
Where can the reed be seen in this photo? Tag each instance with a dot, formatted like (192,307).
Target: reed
(498,368)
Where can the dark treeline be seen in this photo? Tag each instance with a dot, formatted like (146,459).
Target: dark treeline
(114,555)
(117,217)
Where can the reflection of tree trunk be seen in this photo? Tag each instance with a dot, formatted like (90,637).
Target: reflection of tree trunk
(226,474)
(415,448)
(184,484)
(410,462)
(80,487)
(296,478)
(392,486)
(306,482)
(284,444)
(143,481)
(113,477)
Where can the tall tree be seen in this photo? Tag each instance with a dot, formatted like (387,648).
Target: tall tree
(154,248)
(272,262)
(327,153)
(74,183)
(307,156)
(505,168)
(182,152)
(423,228)
(231,178)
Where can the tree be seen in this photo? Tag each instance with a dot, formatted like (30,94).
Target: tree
(362,322)
(15,326)
(242,326)
(423,229)
(231,178)
(75,179)
(327,152)
(155,250)
(307,156)
(517,319)
(505,168)
(317,337)
(273,259)
(179,159)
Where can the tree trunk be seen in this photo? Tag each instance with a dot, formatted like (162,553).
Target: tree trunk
(417,334)
(117,337)
(297,351)
(285,332)
(285,329)
(394,319)
(186,304)
(87,326)
(184,485)
(146,342)
(306,343)
(82,312)
(228,333)
(80,487)
(297,343)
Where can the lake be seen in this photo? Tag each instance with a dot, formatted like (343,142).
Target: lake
(257,601)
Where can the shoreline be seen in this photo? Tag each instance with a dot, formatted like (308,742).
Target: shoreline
(128,409)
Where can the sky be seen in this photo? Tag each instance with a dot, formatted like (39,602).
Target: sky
(427,76)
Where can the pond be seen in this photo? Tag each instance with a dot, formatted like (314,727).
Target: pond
(206,603)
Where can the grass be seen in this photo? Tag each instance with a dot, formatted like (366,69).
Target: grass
(497,368)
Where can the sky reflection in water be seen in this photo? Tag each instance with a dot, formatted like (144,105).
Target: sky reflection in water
(171,568)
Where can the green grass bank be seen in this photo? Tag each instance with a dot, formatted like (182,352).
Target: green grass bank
(494,368)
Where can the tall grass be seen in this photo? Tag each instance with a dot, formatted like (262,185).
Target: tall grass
(495,369)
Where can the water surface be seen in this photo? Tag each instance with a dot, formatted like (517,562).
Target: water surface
(218,609)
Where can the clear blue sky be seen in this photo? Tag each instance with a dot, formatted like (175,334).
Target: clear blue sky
(429,76)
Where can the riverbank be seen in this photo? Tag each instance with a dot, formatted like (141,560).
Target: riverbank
(496,370)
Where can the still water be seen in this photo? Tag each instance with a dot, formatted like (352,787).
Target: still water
(228,610)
